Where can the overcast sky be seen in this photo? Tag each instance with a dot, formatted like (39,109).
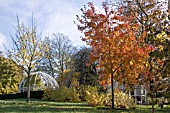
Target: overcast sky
(53,16)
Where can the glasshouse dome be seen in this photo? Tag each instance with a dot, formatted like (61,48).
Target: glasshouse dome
(38,81)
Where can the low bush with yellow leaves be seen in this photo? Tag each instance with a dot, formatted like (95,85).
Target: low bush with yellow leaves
(121,100)
(93,98)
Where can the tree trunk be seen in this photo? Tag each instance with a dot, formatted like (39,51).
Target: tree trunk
(52,71)
(51,68)
(28,89)
(153,110)
(112,88)
(161,103)
(169,5)
(169,9)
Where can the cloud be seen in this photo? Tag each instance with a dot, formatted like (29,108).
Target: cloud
(61,19)
(2,41)
(53,16)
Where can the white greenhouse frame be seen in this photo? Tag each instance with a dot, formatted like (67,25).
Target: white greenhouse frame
(46,79)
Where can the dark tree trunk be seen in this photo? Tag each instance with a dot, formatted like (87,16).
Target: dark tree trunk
(28,88)
(153,109)
(112,86)
(169,8)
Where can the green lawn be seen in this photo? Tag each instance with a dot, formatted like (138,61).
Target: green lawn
(20,105)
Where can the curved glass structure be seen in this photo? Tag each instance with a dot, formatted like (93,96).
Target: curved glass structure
(38,81)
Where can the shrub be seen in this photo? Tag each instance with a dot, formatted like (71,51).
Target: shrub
(47,93)
(10,76)
(121,100)
(93,98)
(61,94)
(73,96)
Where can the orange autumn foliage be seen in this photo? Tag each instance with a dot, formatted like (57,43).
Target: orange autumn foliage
(116,44)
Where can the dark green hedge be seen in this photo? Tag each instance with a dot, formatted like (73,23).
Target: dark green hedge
(33,94)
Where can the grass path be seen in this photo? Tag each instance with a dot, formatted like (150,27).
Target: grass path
(39,106)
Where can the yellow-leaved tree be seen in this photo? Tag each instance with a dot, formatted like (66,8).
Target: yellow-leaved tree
(28,49)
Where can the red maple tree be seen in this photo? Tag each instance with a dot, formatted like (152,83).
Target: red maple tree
(116,45)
